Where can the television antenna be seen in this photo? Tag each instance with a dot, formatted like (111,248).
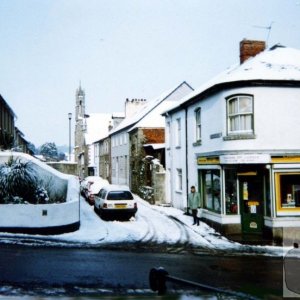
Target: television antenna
(269,28)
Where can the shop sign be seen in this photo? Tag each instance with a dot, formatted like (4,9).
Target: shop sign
(208,160)
(286,159)
(245,159)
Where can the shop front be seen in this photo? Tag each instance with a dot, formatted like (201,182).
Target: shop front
(250,193)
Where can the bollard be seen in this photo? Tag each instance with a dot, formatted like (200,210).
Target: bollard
(159,276)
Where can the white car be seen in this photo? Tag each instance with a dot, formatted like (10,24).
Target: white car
(90,186)
(115,200)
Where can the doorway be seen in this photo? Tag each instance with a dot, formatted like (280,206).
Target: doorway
(251,202)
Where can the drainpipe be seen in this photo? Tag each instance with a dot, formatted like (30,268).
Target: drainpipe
(186,160)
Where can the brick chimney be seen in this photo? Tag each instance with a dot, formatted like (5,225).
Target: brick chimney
(250,48)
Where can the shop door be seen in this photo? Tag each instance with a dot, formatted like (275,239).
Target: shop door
(251,203)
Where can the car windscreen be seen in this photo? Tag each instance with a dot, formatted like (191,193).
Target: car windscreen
(119,195)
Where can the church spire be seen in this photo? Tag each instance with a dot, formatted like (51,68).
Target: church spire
(80,103)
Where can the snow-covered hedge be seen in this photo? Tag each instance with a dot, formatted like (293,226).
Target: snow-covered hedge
(60,214)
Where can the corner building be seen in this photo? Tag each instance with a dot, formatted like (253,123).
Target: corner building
(237,139)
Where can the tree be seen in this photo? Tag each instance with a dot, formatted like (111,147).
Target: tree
(32,148)
(49,151)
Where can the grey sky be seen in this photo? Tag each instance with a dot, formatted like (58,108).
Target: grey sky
(122,49)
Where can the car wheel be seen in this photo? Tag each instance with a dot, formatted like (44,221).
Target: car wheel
(102,214)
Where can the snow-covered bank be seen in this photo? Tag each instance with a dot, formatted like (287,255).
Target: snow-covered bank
(153,224)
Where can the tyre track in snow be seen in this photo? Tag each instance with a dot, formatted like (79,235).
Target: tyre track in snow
(150,234)
(154,235)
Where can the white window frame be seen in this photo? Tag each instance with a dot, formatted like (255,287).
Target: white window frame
(198,124)
(239,115)
(178,132)
(179,180)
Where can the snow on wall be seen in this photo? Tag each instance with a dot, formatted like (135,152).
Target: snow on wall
(43,215)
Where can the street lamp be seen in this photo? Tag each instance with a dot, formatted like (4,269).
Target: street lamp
(70,117)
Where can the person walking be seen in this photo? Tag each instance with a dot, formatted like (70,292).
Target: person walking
(194,203)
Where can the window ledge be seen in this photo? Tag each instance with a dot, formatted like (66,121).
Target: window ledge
(197,143)
(245,136)
(178,147)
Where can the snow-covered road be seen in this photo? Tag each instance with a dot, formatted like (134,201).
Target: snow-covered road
(152,225)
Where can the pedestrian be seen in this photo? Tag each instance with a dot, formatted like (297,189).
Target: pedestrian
(194,204)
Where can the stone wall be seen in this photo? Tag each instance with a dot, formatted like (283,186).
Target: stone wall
(64,167)
(158,182)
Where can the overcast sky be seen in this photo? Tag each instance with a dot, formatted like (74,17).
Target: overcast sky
(122,49)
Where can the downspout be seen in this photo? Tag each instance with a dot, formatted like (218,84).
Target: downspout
(186,160)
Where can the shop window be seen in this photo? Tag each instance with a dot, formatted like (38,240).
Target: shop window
(231,192)
(240,115)
(288,190)
(211,190)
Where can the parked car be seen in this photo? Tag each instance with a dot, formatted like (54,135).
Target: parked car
(114,201)
(90,186)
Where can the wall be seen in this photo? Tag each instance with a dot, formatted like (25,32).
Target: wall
(64,167)
(176,158)
(154,135)
(275,115)
(158,182)
(43,218)
(119,158)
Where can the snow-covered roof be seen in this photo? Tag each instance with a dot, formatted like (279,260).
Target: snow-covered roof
(97,127)
(276,63)
(118,115)
(154,119)
(156,146)
(147,108)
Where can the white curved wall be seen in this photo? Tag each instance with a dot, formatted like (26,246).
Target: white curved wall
(43,215)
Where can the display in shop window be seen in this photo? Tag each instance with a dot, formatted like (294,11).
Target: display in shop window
(289,190)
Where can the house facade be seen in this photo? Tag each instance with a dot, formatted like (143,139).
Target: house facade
(7,125)
(236,139)
(119,140)
(11,137)
(122,146)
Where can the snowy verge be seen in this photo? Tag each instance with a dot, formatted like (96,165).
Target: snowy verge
(152,225)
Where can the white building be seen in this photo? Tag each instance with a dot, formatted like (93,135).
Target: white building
(237,139)
(120,138)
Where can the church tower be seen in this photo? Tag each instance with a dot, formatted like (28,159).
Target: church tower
(80,104)
(80,124)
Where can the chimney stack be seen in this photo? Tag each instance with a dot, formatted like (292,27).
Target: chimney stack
(250,48)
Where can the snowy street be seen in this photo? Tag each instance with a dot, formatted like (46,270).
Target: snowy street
(153,225)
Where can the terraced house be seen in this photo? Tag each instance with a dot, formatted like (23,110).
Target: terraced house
(7,125)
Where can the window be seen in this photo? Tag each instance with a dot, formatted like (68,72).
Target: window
(178,133)
(240,115)
(198,124)
(211,189)
(119,195)
(288,191)
(179,180)
(231,191)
